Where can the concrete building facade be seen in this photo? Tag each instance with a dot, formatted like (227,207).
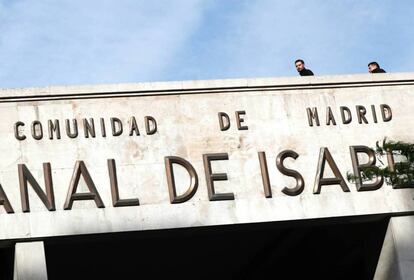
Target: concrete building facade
(178,162)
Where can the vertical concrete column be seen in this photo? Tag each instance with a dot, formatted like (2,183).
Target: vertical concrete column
(396,261)
(30,261)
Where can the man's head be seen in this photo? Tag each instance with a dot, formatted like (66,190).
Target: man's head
(372,66)
(300,65)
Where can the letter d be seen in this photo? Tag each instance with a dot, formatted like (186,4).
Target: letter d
(174,198)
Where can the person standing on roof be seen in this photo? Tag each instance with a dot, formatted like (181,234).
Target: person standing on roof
(373,67)
(300,66)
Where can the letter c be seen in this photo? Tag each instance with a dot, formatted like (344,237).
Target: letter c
(16,131)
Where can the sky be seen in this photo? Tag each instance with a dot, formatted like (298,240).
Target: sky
(75,42)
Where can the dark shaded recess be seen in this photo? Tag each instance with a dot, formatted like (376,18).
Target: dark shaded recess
(6,261)
(323,249)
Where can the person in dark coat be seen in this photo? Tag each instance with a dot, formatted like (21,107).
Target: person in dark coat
(300,66)
(373,67)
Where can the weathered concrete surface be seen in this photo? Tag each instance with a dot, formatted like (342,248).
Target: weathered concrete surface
(30,261)
(188,127)
(397,255)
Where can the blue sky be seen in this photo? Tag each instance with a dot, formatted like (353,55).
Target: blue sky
(49,42)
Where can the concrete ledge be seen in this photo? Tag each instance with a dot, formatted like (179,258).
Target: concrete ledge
(207,86)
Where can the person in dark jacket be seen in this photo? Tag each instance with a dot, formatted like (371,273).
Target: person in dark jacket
(373,67)
(300,66)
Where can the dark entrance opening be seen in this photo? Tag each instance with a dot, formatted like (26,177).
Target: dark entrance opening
(6,260)
(320,249)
